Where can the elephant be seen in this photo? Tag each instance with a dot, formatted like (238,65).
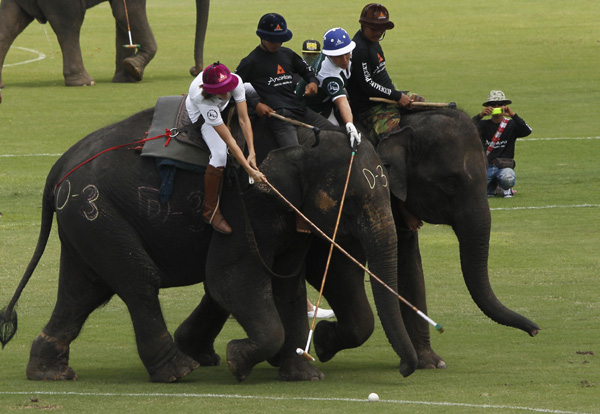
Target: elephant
(118,238)
(436,165)
(66,19)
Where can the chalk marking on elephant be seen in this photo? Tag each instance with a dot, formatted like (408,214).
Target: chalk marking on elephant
(437,326)
(41,56)
(373,177)
(266,397)
(93,194)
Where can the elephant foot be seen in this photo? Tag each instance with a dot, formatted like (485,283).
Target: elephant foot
(195,71)
(428,359)
(239,364)
(80,79)
(132,71)
(204,356)
(176,368)
(49,360)
(325,343)
(204,359)
(298,368)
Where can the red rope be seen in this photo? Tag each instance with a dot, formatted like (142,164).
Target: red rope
(166,134)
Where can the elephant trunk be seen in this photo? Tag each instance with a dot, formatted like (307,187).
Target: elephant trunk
(474,241)
(383,261)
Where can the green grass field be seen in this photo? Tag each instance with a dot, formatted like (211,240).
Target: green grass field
(544,258)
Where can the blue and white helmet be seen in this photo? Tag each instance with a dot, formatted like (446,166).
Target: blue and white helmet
(337,42)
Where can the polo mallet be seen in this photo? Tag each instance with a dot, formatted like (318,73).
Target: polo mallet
(130,45)
(315,129)
(304,352)
(449,105)
(437,326)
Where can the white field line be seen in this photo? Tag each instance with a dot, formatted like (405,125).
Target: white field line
(40,56)
(28,155)
(543,207)
(258,397)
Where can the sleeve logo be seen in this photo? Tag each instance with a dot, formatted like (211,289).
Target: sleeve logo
(212,114)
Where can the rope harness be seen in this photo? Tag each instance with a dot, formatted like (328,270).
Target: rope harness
(169,133)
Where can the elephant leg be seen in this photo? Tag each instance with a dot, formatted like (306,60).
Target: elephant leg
(13,20)
(77,297)
(290,299)
(411,285)
(124,265)
(202,7)
(195,336)
(344,290)
(245,291)
(67,26)
(131,62)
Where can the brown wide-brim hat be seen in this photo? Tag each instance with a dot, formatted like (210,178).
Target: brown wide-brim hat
(376,16)
(496,97)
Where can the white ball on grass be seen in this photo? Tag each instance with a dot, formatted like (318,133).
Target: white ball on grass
(373,397)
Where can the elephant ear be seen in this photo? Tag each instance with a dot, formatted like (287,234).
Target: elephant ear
(392,152)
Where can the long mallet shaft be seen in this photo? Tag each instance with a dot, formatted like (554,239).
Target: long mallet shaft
(450,105)
(130,45)
(437,326)
(292,121)
(299,351)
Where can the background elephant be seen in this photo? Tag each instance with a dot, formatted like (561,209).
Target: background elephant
(202,7)
(117,238)
(66,18)
(436,165)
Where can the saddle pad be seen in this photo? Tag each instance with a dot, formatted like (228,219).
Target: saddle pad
(168,112)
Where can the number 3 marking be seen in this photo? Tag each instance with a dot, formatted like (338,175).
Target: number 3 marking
(90,211)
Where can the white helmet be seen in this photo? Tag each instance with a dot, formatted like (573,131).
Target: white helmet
(337,42)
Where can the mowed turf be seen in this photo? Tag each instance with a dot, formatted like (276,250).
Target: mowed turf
(544,257)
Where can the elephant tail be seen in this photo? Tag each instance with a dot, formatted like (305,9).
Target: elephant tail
(8,315)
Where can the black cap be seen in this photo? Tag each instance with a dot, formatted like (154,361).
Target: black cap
(311,46)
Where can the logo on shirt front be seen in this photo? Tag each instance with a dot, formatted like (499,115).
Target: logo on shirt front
(212,114)
(333,88)
(280,70)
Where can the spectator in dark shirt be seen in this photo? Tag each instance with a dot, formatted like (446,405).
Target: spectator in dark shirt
(498,136)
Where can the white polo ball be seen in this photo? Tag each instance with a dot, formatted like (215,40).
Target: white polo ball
(373,397)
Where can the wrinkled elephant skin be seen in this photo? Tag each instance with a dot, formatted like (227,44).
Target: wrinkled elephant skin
(118,238)
(437,167)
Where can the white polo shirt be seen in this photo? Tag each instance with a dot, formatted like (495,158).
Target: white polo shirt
(210,108)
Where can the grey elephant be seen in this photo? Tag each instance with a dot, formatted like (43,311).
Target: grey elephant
(117,238)
(66,18)
(436,165)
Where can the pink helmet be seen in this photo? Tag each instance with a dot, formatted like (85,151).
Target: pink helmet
(217,79)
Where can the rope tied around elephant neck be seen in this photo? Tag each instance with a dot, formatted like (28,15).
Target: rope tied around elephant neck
(168,134)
